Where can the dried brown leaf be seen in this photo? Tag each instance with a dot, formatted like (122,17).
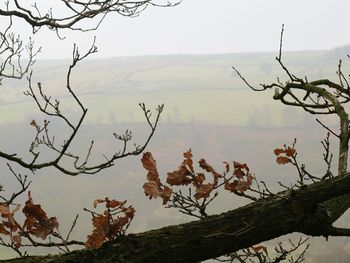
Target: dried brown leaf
(148,162)
(282,160)
(203,191)
(152,189)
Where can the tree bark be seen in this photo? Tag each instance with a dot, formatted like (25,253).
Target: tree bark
(309,210)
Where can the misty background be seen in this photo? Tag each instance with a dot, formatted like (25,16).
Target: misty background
(205,27)
(182,57)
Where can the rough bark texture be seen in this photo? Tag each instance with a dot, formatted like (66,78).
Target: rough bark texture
(309,210)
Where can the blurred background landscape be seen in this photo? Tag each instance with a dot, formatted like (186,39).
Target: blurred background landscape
(208,108)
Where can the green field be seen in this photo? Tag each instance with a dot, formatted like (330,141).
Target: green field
(195,89)
(208,109)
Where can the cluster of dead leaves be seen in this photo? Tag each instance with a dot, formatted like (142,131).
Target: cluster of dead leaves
(154,188)
(36,222)
(240,180)
(109,224)
(284,155)
(243,179)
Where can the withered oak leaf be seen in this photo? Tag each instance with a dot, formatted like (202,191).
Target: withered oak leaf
(100,232)
(152,189)
(282,160)
(148,162)
(37,223)
(166,194)
(203,191)
(178,178)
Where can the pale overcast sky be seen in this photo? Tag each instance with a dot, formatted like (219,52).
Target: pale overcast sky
(214,26)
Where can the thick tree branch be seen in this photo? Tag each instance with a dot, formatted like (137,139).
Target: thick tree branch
(220,234)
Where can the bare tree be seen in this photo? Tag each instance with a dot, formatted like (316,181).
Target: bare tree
(16,61)
(12,51)
(318,97)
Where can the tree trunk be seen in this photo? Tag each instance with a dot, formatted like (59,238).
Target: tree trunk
(304,210)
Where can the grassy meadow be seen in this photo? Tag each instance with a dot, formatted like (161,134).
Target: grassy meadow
(207,108)
(195,89)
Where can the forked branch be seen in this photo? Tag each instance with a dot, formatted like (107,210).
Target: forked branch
(51,107)
(75,12)
(317,97)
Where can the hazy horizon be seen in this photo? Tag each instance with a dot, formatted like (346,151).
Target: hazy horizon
(182,57)
(201,27)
